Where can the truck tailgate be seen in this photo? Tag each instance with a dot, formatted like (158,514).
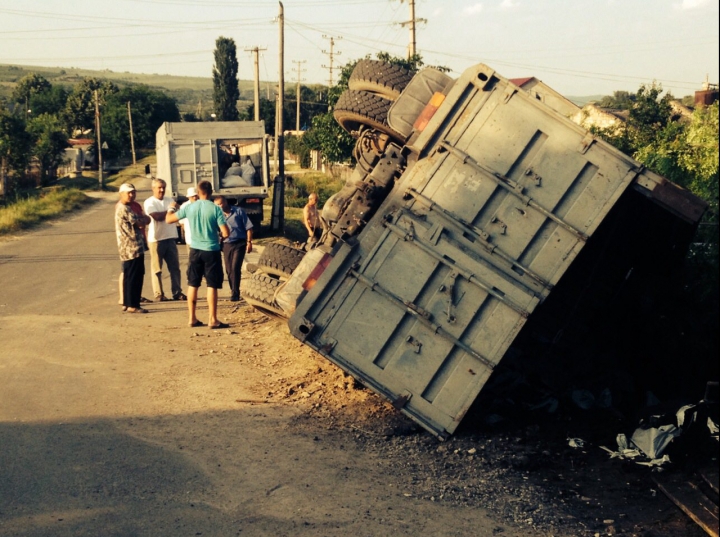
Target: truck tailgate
(425,302)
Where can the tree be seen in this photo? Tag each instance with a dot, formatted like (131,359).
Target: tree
(28,86)
(50,101)
(150,108)
(79,112)
(50,142)
(225,81)
(620,100)
(15,142)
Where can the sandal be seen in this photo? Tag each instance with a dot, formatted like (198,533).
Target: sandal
(218,326)
(144,300)
(136,310)
(162,298)
(196,323)
(179,296)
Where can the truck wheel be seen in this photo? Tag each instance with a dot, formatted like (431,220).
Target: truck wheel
(382,78)
(279,259)
(355,108)
(259,292)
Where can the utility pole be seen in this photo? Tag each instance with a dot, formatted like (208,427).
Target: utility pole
(297,114)
(98,141)
(256,56)
(331,55)
(278,209)
(132,138)
(412,47)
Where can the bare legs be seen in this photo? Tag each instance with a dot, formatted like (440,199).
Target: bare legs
(212,298)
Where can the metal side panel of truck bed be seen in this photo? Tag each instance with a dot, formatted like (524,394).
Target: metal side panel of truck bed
(424,303)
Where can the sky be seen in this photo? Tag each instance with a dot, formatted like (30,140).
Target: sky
(577,47)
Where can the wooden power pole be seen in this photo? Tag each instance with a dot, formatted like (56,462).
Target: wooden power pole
(299,79)
(98,142)
(278,208)
(256,58)
(412,47)
(331,56)
(132,137)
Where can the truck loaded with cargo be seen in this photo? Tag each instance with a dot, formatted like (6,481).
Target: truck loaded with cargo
(477,218)
(232,155)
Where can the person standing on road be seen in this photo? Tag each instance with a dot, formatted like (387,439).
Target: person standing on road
(131,247)
(192,196)
(311,219)
(137,209)
(161,239)
(236,244)
(207,224)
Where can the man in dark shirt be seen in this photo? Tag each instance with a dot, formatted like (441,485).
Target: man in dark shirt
(131,247)
(236,244)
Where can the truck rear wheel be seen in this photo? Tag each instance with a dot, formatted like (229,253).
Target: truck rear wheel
(355,108)
(259,292)
(381,78)
(279,259)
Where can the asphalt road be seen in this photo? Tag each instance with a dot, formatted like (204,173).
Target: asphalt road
(116,424)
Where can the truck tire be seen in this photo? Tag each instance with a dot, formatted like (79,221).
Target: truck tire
(259,292)
(279,259)
(355,108)
(381,78)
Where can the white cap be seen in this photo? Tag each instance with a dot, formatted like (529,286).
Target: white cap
(127,187)
(191,192)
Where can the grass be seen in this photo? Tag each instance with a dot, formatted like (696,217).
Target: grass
(23,213)
(130,173)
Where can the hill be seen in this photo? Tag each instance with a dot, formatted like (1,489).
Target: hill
(188,91)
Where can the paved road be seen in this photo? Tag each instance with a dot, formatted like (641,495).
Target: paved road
(116,424)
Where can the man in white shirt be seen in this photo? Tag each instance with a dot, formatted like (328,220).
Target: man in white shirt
(192,196)
(162,242)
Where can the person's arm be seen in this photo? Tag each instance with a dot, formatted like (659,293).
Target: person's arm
(224,231)
(171,216)
(248,248)
(160,216)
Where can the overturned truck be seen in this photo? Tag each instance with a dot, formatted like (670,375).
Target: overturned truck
(472,203)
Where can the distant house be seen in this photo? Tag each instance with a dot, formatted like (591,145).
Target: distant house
(591,115)
(76,157)
(543,92)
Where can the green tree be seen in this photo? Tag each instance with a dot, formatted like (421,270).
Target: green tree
(225,81)
(150,108)
(15,142)
(620,100)
(50,139)
(79,112)
(51,101)
(27,86)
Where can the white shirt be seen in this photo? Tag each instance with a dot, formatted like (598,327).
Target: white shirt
(159,231)
(186,226)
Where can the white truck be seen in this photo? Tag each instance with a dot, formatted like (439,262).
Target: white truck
(232,155)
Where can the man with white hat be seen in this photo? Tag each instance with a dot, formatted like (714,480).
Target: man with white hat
(131,246)
(192,196)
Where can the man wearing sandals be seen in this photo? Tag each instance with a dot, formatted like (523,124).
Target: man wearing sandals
(131,246)
(207,223)
(162,238)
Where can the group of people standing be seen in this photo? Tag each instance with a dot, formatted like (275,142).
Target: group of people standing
(211,226)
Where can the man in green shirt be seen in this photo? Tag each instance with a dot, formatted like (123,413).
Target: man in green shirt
(207,224)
